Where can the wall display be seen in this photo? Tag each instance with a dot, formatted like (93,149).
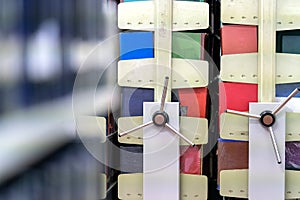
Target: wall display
(142,72)
(262,85)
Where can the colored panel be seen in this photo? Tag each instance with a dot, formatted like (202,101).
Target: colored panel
(290,44)
(232,155)
(284,90)
(237,96)
(131,159)
(136,45)
(190,162)
(193,102)
(132,100)
(186,45)
(238,39)
(292,155)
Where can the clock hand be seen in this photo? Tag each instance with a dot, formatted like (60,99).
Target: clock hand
(276,110)
(171,128)
(135,129)
(164,94)
(244,114)
(275,145)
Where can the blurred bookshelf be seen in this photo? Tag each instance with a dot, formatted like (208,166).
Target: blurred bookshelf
(43,44)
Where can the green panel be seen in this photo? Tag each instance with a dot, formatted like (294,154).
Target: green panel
(186,45)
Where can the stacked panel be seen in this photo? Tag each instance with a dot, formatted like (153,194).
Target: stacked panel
(138,47)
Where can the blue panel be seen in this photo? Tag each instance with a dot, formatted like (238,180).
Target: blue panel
(136,45)
(132,100)
(283,90)
(225,140)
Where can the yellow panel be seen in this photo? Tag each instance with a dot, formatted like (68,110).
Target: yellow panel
(186,73)
(242,68)
(195,129)
(193,187)
(186,15)
(234,183)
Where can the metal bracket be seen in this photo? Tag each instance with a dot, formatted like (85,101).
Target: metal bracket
(91,128)
(161,154)
(195,129)
(265,176)
(242,68)
(246,12)
(102,188)
(192,187)
(233,127)
(186,15)
(142,72)
(238,186)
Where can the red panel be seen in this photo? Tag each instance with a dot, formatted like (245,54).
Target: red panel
(194,99)
(190,162)
(238,39)
(237,96)
(232,155)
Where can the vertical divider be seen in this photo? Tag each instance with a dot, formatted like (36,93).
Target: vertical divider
(266,50)
(163,45)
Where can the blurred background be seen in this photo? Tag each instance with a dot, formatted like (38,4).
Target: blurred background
(42,45)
